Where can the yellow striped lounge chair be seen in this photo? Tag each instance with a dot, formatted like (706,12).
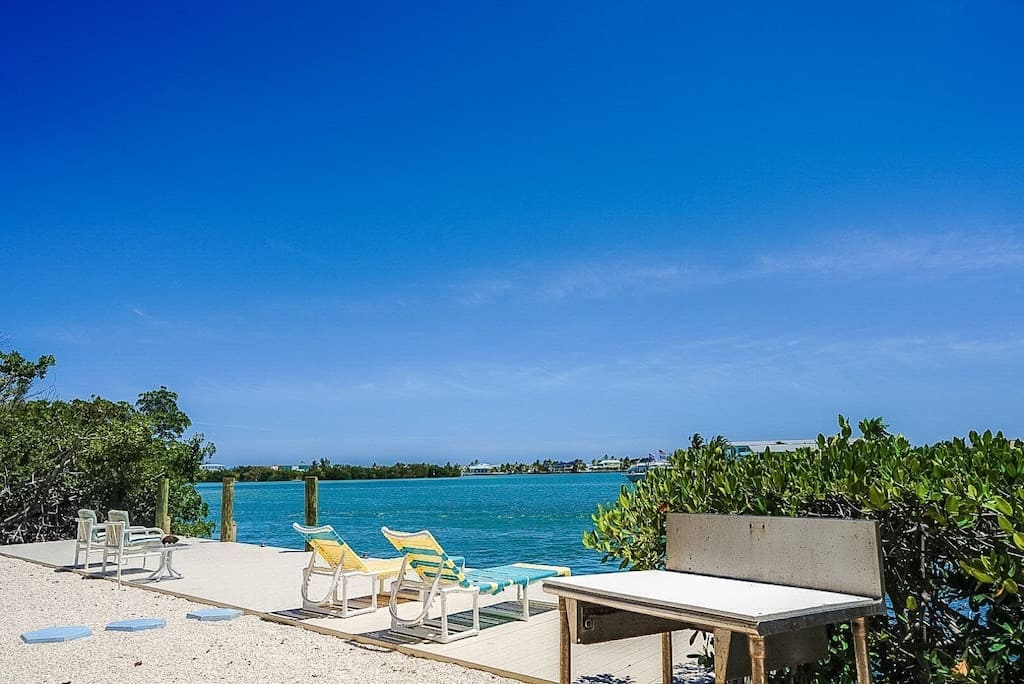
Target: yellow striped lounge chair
(440,575)
(341,564)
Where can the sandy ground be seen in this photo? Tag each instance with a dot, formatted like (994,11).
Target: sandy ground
(243,650)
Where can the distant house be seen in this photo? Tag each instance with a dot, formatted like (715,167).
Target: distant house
(779,445)
(481,469)
(212,467)
(564,467)
(301,467)
(607,464)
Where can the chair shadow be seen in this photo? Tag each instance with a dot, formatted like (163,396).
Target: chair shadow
(465,619)
(128,574)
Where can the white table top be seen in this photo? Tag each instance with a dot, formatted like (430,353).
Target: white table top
(694,596)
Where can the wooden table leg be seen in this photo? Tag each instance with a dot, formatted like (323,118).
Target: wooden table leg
(564,652)
(860,650)
(756,644)
(666,658)
(723,637)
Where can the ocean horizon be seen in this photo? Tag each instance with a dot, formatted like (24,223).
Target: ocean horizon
(491,520)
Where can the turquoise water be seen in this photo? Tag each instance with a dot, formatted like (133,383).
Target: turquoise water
(491,519)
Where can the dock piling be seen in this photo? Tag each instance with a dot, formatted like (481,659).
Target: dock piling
(163,521)
(228,530)
(311,504)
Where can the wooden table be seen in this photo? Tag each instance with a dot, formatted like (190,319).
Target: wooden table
(660,600)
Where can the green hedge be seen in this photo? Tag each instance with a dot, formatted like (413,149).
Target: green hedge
(952,522)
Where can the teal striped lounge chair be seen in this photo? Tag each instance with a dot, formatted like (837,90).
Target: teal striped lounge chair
(440,576)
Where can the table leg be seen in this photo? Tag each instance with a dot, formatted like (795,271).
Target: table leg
(756,644)
(860,650)
(666,658)
(723,639)
(564,648)
(170,566)
(161,569)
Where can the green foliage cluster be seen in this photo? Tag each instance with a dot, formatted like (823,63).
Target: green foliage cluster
(59,456)
(325,470)
(952,524)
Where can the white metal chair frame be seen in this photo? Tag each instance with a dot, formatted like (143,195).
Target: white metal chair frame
(134,531)
(119,544)
(436,589)
(332,603)
(89,534)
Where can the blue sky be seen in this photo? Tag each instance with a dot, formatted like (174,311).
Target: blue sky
(431,232)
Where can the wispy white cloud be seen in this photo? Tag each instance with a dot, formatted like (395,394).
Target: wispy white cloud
(853,254)
(870,254)
(605,279)
(484,290)
(706,365)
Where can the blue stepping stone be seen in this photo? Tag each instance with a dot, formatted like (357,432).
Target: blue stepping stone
(212,614)
(56,635)
(136,625)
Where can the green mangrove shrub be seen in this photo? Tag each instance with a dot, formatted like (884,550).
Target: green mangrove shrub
(59,456)
(952,524)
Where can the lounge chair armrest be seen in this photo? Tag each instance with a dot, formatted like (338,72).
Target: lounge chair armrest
(460,562)
(143,530)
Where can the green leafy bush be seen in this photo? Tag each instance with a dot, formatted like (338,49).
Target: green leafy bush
(59,456)
(952,524)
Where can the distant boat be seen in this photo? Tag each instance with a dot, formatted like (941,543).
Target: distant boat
(639,470)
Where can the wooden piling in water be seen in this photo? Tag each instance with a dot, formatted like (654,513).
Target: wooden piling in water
(311,503)
(163,521)
(227,511)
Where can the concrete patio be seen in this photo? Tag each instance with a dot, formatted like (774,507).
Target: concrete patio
(265,581)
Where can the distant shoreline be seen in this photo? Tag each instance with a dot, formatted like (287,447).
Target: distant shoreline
(217,476)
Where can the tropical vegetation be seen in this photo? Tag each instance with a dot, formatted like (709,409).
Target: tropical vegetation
(325,470)
(59,456)
(951,516)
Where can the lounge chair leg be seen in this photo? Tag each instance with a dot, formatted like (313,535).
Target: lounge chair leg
(444,617)
(344,596)
(476,611)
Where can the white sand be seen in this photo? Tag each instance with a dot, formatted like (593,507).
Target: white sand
(243,650)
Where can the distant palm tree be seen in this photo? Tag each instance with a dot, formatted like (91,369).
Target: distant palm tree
(873,428)
(718,443)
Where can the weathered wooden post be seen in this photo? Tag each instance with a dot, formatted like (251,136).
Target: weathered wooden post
(227,510)
(163,521)
(311,504)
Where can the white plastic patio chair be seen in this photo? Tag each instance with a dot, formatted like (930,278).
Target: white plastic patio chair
(90,535)
(135,532)
(122,547)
